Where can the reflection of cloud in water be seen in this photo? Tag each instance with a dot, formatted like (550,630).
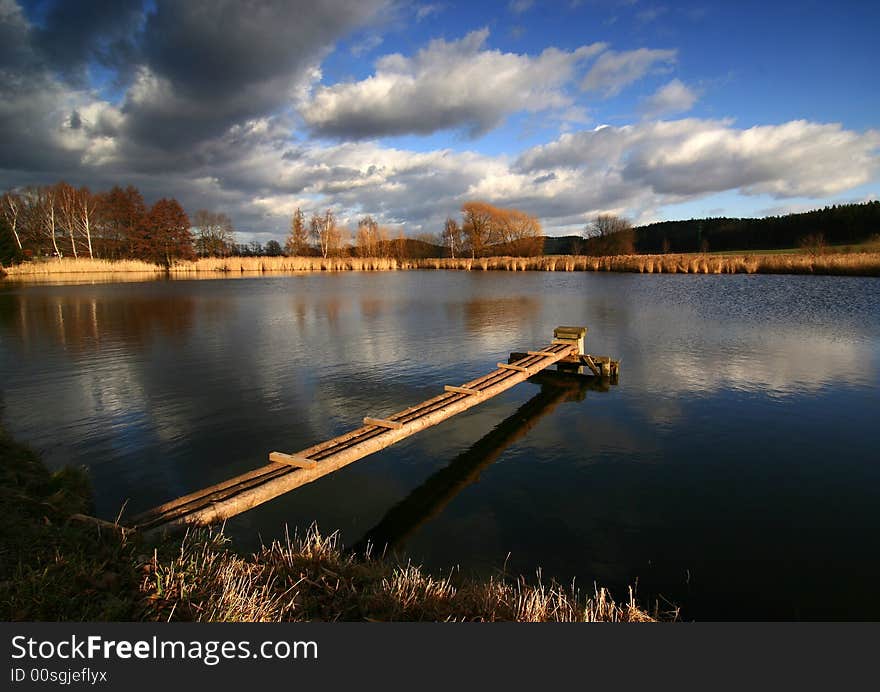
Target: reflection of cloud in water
(787,363)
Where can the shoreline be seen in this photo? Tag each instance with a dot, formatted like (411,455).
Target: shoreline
(55,568)
(828,264)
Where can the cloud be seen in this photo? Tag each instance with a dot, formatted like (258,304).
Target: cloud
(674,97)
(426,11)
(74,33)
(208,118)
(211,64)
(613,70)
(520,6)
(446,85)
(692,157)
(365,45)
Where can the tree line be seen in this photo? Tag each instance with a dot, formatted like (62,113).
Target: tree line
(63,221)
(841,224)
(483,230)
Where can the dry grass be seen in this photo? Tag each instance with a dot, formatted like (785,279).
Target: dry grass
(850,264)
(231,265)
(52,267)
(311,578)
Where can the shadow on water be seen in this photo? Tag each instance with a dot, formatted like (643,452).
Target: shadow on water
(431,497)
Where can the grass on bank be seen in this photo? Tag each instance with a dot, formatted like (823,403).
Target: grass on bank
(833,263)
(53,569)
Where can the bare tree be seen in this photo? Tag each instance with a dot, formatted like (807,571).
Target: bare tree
(608,234)
(451,236)
(10,207)
(325,234)
(367,237)
(44,201)
(67,201)
(215,236)
(477,227)
(511,231)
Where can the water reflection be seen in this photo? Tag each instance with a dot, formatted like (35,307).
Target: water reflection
(80,323)
(431,497)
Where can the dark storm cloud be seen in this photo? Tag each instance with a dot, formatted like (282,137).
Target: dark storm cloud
(211,64)
(74,33)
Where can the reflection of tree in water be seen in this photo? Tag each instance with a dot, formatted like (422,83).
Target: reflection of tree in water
(480,314)
(371,307)
(82,323)
(431,497)
(306,310)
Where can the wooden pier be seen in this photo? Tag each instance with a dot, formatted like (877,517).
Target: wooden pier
(286,471)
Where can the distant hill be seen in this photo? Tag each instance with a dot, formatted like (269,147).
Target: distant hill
(839,225)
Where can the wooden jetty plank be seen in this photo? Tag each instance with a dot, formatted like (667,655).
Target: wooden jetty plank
(250,489)
(460,390)
(540,353)
(296,460)
(383,423)
(511,366)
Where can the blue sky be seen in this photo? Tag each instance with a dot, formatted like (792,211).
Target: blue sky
(404,110)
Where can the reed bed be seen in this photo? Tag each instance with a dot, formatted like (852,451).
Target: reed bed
(851,264)
(312,578)
(845,264)
(69,265)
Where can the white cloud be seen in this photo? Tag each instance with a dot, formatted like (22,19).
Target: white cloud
(613,71)
(457,84)
(520,6)
(674,97)
(425,11)
(693,157)
(365,45)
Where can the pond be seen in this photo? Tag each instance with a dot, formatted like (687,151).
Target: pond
(733,471)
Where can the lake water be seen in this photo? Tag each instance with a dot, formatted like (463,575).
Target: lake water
(734,470)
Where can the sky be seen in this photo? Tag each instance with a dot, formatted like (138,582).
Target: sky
(404,110)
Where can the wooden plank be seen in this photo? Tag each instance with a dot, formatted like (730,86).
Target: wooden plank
(460,390)
(570,332)
(296,460)
(588,360)
(508,366)
(543,354)
(383,423)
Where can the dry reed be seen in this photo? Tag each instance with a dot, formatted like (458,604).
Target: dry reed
(311,578)
(848,264)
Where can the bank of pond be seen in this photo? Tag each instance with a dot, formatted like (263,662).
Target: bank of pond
(58,566)
(842,264)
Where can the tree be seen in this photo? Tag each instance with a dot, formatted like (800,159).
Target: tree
(367,237)
(520,232)
(451,236)
(608,234)
(325,234)
(273,249)
(297,243)
(44,207)
(10,250)
(10,207)
(477,227)
(511,231)
(215,236)
(167,234)
(76,210)
(120,220)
